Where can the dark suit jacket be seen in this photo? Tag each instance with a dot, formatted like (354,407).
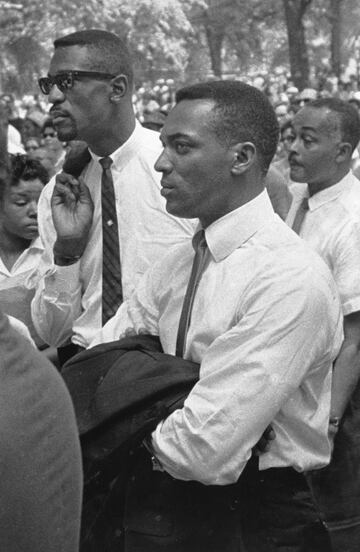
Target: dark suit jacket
(40,460)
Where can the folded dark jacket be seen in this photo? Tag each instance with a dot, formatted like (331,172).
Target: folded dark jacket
(120,391)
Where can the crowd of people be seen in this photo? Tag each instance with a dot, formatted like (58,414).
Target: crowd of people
(222,218)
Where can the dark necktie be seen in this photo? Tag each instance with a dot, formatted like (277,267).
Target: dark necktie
(111,275)
(199,244)
(300,215)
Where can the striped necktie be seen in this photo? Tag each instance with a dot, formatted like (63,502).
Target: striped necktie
(300,215)
(111,273)
(200,246)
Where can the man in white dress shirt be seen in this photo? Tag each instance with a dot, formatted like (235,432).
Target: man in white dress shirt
(265,326)
(90,85)
(326,214)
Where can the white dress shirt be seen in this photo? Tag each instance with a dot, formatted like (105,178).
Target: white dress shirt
(17,286)
(266,326)
(14,143)
(332,228)
(68,301)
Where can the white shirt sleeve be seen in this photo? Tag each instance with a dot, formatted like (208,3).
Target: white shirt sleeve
(21,329)
(137,315)
(57,301)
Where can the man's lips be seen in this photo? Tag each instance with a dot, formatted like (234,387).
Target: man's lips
(57,115)
(294,163)
(166,188)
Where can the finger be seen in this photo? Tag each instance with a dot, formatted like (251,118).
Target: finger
(129,332)
(269,434)
(65,178)
(63,193)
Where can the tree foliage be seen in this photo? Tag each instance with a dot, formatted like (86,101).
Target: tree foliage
(184,39)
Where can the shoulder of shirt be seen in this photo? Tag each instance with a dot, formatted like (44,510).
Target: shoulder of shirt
(284,251)
(149,139)
(350,200)
(179,252)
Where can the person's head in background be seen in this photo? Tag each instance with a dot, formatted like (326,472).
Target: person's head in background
(354,100)
(154,120)
(281,112)
(7,100)
(48,132)
(325,134)
(29,128)
(21,183)
(47,159)
(303,98)
(51,141)
(286,136)
(31,145)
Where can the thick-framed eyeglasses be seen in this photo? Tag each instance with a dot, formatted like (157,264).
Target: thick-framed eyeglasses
(65,80)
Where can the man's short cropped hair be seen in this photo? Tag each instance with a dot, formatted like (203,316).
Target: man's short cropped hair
(21,167)
(347,116)
(107,52)
(241,114)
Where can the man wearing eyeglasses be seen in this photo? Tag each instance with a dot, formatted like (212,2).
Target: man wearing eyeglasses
(90,86)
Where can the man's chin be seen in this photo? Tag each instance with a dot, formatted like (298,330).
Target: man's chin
(66,132)
(66,135)
(297,176)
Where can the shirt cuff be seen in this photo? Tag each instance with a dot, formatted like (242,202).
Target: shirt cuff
(63,278)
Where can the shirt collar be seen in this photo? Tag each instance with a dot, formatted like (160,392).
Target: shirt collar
(37,244)
(235,228)
(126,151)
(331,193)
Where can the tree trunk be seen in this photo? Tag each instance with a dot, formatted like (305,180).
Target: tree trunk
(299,61)
(215,39)
(3,135)
(335,21)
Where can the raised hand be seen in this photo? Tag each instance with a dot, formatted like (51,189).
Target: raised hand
(72,211)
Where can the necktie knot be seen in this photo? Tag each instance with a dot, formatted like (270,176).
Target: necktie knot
(199,240)
(305,203)
(300,215)
(106,163)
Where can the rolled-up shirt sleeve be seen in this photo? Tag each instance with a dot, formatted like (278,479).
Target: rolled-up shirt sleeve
(57,301)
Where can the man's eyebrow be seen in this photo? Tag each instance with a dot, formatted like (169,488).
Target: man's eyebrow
(174,136)
(309,128)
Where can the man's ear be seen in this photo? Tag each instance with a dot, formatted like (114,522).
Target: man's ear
(243,157)
(344,152)
(119,85)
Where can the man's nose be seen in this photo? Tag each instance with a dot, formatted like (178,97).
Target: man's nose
(163,163)
(55,95)
(293,144)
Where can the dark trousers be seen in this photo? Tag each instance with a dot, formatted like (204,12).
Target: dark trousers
(264,512)
(337,487)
